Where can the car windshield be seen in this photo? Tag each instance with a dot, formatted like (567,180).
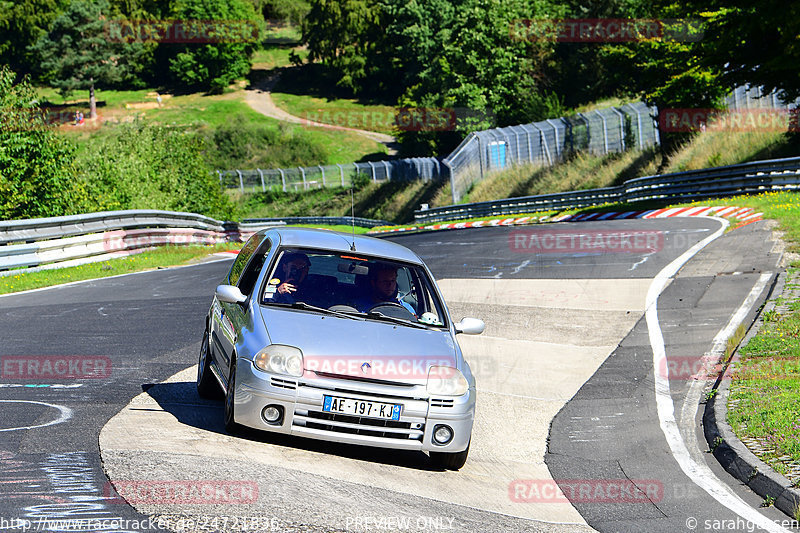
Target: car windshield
(349,283)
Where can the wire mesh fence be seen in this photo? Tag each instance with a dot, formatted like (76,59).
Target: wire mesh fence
(600,132)
(546,142)
(340,175)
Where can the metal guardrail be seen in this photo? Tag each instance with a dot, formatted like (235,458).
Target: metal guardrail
(70,240)
(345,221)
(744,178)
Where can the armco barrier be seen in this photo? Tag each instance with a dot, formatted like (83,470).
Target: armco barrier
(345,221)
(70,240)
(720,182)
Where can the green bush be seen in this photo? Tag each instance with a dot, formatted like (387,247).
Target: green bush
(36,171)
(241,144)
(141,166)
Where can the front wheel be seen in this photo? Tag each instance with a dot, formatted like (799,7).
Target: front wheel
(207,386)
(450,461)
(230,423)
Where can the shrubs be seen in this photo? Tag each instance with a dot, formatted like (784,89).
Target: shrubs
(242,144)
(36,171)
(141,166)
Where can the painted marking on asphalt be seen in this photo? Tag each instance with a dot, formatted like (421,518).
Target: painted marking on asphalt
(692,401)
(700,474)
(66,414)
(40,385)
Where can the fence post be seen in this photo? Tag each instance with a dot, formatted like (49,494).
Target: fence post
(654,118)
(605,131)
(303,173)
(241,181)
(372,167)
(543,143)
(341,173)
(639,126)
(219,173)
(283,179)
(323,175)
(388,172)
(260,173)
(621,127)
(449,167)
(555,135)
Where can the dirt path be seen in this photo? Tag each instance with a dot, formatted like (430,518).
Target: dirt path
(259,98)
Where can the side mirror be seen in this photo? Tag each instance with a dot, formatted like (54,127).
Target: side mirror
(230,294)
(470,326)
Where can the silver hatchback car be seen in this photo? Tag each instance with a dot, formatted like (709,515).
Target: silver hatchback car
(329,336)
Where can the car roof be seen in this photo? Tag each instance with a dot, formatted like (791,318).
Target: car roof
(340,242)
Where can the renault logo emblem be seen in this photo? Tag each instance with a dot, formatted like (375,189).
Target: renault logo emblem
(365,368)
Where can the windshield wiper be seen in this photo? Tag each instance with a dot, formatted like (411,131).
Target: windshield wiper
(405,322)
(309,307)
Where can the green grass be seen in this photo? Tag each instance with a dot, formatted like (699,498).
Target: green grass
(343,112)
(391,201)
(160,257)
(765,392)
(586,171)
(200,112)
(272,57)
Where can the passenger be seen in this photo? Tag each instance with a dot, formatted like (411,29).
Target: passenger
(382,288)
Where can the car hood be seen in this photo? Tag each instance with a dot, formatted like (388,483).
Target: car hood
(341,346)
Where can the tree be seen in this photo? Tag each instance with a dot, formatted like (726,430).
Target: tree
(215,64)
(754,43)
(77,52)
(36,170)
(21,25)
(345,35)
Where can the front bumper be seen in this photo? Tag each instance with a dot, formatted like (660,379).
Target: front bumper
(302,398)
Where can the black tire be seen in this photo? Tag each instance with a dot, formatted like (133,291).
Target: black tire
(450,461)
(230,423)
(207,386)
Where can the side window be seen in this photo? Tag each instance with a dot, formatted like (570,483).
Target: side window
(241,260)
(250,275)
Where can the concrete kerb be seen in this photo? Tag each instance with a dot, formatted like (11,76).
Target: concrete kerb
(744,215)
(731,452)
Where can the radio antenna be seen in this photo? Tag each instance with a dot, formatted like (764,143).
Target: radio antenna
(353,220)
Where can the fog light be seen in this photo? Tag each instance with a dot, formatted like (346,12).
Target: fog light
(273,414)
(442,434)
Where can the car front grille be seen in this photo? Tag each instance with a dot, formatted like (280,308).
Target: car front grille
(359,425)
(309,414)
(441,402)
(283,383)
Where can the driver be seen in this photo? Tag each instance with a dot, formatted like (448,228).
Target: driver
(294,270)
(382,288)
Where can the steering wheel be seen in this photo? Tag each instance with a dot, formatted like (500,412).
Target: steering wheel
(394,309)
(387,304)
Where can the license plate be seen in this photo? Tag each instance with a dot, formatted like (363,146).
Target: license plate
(349,406)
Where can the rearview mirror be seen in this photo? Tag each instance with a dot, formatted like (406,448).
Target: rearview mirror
(470,326)
(230,294)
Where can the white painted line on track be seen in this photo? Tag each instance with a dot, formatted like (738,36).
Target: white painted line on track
(700,474)
(66,414)
(692,401)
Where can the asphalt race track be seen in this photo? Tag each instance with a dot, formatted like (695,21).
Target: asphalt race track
(571,396)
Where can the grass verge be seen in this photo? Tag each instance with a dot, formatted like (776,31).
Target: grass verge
(164,256)
(765,391)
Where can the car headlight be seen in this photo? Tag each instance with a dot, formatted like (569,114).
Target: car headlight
(446,381)
(280,359)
